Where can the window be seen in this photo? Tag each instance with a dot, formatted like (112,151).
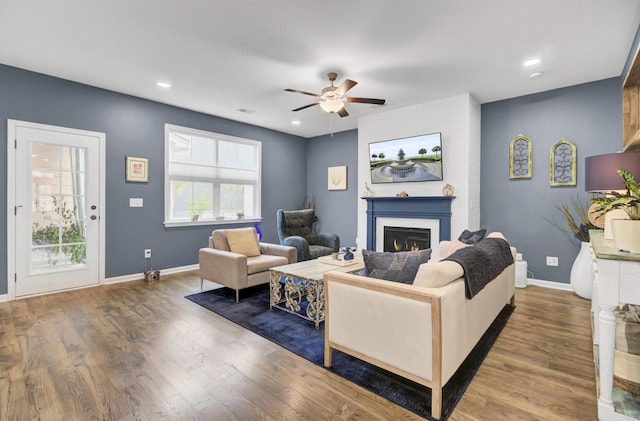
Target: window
(210,177)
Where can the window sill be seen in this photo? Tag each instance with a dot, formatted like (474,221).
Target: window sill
(205,222)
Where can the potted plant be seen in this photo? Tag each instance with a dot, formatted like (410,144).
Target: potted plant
(626,232)
(198,204)
(580,276)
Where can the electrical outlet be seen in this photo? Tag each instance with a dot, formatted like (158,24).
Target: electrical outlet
(552,261)
(147,253)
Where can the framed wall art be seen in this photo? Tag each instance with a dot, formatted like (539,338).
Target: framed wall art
(137,169)
(520,157)
(337,178)
(562,163)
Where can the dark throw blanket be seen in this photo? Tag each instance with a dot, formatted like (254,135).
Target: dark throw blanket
(482,263)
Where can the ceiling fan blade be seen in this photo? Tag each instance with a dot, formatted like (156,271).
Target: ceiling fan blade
(306,106)
(345,86)
(343,112)
(302,92)
(366,100)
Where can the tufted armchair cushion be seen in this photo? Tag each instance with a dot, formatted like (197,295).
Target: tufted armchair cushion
(295,229)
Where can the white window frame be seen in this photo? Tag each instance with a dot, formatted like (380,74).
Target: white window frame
(168,128)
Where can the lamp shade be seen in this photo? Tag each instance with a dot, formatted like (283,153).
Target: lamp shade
(601,171)
(332,105)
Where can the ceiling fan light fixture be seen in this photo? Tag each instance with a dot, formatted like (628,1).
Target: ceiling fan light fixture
(332,105)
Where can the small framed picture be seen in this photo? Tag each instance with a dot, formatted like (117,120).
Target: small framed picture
(137,169)
(337,178)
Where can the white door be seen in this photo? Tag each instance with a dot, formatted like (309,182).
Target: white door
(57,208)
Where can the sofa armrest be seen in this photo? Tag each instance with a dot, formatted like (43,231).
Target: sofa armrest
(301,245)
(278,250)
(223,267)
(386,322)
(325,239)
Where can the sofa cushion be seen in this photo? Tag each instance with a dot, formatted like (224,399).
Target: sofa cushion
(496,234)
(451,247)
(264,262)
(472,237)
(399,267)
(438,274)
(243,241)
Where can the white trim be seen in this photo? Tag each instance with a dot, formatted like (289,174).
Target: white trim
(168,128)
(12,126)
(139,276)
(549,284)
(210,222)
(426,223)
(11,201)
(109,281)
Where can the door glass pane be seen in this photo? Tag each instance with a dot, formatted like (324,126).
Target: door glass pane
(58,213)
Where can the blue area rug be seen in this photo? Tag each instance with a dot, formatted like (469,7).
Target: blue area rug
(252,312)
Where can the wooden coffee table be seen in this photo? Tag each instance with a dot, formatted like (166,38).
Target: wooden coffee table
(292,286)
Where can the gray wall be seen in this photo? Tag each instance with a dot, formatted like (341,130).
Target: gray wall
(336,209)
(134,126)
(589,115)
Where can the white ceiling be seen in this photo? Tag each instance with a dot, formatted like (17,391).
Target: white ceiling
(225,55)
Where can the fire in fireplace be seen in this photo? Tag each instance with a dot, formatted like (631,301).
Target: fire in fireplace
(406,239)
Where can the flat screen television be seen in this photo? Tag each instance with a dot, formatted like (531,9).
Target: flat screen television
(415,158)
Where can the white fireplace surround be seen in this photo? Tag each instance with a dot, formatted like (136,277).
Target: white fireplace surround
(431,224)
(458,119)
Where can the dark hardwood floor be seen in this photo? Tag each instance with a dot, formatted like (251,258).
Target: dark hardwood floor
(140,350)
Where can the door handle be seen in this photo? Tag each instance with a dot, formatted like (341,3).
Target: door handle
(93,217)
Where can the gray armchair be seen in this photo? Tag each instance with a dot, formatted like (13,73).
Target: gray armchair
(236,271)
(295,228)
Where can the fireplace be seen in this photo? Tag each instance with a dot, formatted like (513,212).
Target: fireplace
(427,212)
(406,239)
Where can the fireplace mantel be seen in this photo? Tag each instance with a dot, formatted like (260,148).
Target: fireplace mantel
(420,207)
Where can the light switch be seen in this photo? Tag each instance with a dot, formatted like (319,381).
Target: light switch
(135,202)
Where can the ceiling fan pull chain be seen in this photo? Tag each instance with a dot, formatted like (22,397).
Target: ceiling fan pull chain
(331,124)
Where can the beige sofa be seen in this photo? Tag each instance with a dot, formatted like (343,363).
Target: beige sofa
(237,271)
(420,333)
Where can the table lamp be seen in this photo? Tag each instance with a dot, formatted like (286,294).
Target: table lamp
(601,176)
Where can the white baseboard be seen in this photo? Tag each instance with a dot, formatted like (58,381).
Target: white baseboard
(4,297)
(138,276)
(549,284)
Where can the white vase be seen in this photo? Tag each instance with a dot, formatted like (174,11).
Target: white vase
(581,272)
(626,233)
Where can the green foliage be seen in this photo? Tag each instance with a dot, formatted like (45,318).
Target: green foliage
(65,235)
(629,201)
(201,202)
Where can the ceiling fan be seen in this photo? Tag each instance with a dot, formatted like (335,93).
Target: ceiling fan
(332,98)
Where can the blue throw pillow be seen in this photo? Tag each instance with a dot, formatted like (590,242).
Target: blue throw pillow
(398,267)
(472,237)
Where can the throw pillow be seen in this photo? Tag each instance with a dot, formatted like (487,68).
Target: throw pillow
(472,237)
(243,241)
(438,274)
(399,267)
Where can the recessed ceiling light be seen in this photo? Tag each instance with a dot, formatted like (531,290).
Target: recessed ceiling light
(164,84)
(295,122)
(535,75)
(531,62)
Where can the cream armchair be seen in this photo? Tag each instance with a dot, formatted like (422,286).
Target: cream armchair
(236,270)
